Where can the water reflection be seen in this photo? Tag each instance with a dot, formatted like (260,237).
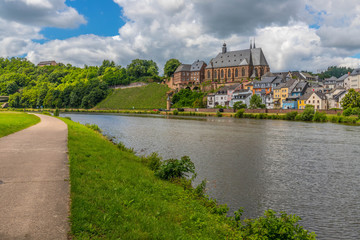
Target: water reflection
(307,169)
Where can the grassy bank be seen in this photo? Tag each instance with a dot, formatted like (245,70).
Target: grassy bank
(146,97)
(11,122)
(115,196)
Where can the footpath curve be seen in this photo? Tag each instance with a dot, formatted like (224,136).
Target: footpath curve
(34,186)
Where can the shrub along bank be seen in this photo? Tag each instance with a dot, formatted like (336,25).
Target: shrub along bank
(115,194)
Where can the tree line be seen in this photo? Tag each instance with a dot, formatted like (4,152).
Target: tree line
(64,86)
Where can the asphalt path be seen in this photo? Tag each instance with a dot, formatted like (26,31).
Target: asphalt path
(34,186)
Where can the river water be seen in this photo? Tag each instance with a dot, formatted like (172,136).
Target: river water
(308,169)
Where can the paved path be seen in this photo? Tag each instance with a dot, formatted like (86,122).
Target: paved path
(34,191)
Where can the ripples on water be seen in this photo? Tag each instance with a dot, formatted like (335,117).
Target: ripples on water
(308,169)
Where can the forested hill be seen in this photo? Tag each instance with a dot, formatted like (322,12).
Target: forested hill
(65,85)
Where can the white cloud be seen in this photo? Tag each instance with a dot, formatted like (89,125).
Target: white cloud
(41,13)
(196,29)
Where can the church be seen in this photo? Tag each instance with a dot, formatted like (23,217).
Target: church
(237,66)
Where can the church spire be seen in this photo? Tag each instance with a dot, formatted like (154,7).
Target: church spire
(254,43)
(250,43)
(224,49)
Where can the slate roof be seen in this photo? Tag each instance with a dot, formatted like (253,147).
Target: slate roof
(287,84)
(342,78)
(301,85)
(197,65)
(321,95)
(306,96)
(184,68)
(337,96)
(239,58)
(355,72)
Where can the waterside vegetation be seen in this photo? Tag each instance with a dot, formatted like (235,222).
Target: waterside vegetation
(116,194)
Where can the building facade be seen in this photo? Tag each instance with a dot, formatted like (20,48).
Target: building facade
(237,66)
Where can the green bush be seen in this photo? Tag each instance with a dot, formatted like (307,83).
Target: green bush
(347,112)
(356,111)
(308,113)
(153,161)
(291,115)
(320,117)
(175,112)
(57,112)
(240,113)
(218,114)
(271,226)
(122,147)
(174,168)
(46,113)
(93,127)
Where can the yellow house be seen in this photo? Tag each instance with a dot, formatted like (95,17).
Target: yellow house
(282,92)
(317,99)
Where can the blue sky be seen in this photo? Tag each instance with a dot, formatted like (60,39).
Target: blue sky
(294,35)
(103,19)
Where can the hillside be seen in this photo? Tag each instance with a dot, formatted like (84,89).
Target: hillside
(147,97)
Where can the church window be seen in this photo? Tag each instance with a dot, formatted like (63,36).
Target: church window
(209,74)
(222,73)
(229,73)
(243,71)
(236,72)
(216,74)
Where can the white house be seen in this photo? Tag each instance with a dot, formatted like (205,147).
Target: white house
(242,95)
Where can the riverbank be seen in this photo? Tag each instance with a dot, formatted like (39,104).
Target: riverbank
(115,195)
(319,116)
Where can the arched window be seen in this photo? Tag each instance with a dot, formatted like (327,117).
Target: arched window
(208,74)
(216,74)
(229,73)
(222,73)
(261,71)
(236,72)
(243,72)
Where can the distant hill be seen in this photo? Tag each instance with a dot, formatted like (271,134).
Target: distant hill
(146,97)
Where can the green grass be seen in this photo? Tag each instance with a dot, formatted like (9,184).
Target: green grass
(115,196)
(11,122)
(146,97)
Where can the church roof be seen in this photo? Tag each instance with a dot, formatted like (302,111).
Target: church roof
(197,65)
(239,58)
(183,68)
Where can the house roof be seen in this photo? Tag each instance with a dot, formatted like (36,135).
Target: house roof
(197,65)
(301,86)
(338,95)
(245,57)
(320,95)
(183,68)
(287,84)
(342,78)
(355,72)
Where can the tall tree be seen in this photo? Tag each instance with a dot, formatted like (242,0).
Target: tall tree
(170,67)
(351,99)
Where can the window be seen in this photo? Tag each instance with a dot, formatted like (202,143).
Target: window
(229,73)
(313,101)
(236,73)
(216,74)
(222,73)
(318,101)
(243,72)
(208,74)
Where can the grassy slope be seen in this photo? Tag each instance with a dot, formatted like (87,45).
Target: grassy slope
(11,122)
(147,97)
(114,196)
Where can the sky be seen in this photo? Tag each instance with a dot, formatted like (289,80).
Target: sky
(293,34)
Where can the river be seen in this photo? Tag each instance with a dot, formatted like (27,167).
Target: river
(308,169)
